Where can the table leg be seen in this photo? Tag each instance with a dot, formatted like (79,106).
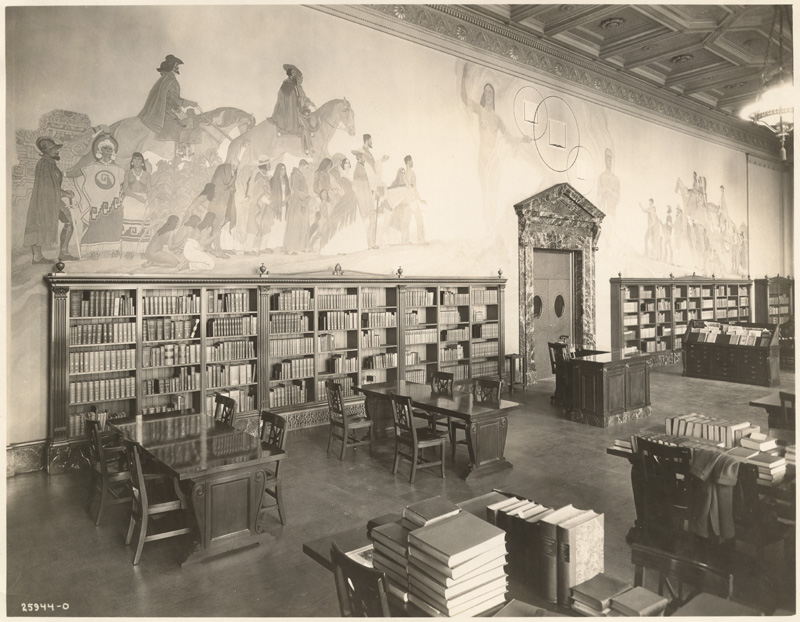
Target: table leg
(486,441)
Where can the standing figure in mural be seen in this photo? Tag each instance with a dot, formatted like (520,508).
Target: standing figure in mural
(668,236)
(279,192)
(296,238)
(260,214)
(195,248)
(46,209)
(201,203)
(157,252)
(292,110)
(135,190)
(318,231)
(363,184)
(653,237)
(223,205)
(608,187)
(397,198)
(163,110)
(414,200)
(102,185)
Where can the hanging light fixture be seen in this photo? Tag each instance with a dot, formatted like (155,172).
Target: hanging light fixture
(774,106)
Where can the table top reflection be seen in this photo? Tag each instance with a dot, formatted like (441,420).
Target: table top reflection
(192,445)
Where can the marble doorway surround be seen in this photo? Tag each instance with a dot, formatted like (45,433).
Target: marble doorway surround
(559,218)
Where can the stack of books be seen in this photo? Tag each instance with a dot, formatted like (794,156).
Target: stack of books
(456,566)
(623,444)
(593,597)
(704,426)
(759,441)
(771,469)
(638,601)
(790,455)
(421,513)
(391,556)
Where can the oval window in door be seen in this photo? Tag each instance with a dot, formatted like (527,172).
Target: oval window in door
(558,305)
(537,307)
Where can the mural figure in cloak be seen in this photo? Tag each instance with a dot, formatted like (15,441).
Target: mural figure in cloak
(163,110)
(293,109)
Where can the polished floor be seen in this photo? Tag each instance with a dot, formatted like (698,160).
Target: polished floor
(55,554)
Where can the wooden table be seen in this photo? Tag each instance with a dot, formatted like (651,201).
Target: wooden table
(487,425)
(772,404)
(220,471)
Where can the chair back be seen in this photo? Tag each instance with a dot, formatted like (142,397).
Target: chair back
(749,510)
(333,391)
(675,572)
(95,446)
(787,409)
(559,353)
(666,492)
(486,390)
(133,451)
(362,591)
(403,414)
(273,431)
(442,383)
(224,409)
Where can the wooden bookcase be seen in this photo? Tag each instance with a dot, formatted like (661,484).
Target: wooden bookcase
(165,345)
(774,301)
(651,315)
(751,360)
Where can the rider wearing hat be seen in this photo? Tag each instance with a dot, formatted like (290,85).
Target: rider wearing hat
(46,208)
(292,110)
(163,110)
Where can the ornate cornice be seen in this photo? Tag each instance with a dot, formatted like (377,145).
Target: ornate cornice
(457,30)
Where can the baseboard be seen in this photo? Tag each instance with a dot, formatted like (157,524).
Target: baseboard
(25,457)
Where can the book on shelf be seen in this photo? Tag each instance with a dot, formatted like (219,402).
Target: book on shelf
(429,511)
(597,592)
(639,601)
(456,539)
(548,550)
(580,551)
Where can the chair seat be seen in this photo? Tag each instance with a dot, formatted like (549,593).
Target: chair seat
(425,435)
(353,421)
(458,423)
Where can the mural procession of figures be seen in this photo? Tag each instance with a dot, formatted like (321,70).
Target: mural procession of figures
(177,188)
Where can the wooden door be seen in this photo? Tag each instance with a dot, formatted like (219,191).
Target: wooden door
(552,304)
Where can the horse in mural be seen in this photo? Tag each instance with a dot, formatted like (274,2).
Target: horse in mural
(263,139)
(208,131)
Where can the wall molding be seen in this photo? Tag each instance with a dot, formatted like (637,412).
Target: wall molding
(460,32)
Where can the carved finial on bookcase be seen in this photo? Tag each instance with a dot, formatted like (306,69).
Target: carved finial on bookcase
(400,272)
(672,276)
(337,270)
(619,274)
(263,270)
(500,273)
(713,276)
(60,265)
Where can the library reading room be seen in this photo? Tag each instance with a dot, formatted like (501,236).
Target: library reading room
(523,348)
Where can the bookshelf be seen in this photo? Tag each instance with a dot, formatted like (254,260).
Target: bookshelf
(652,315)
(162,346)
(774,303)
(736,352)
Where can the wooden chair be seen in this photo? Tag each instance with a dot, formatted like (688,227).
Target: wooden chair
(362,591)
(755,517)
(675,572)
(416,439)
(787,412)
(441,383)
(345,426)
(224,409)
(110,477)
(484,390)
(665,491)
(559,356)
(143,507)
(273,431)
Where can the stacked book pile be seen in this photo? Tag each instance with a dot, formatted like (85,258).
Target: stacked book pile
(759,441)
(659,436)
(456,566)
(593,597)
(771,469)
(391,556)
(790,455)
(554,549)
(711,428)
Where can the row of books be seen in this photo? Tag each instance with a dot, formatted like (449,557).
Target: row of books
(484,368)
(371,339)
(450,298)
(604,595)
(346,383)
(100,303)
(339,320)
(341,364)
(171,354)
(298,345)
(386,360)
(288,394)
(245,399)
(105,332)
(336,301)
(451,353)
(170,305)
(484,296)
(373,298)
(706,426)
(488,348)
(380,319)
(231,350)
(449,316)
(292,300)
(292,323)
(101,360)
(229,301)
(294,368)
(102,390)
(232,326)
(422,335)
(412,318)
(162,328)
(185,379)
(176,404)
(460,372)
(231,374)
(418,298)
(487,331)
(415,375)
(456,334)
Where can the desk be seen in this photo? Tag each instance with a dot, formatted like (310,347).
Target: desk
(219,470)
(606,388)
(772,404)
(487,425)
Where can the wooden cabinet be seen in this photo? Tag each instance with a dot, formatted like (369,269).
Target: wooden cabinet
(741,352)
(165,345)
(651,315)
(774,301)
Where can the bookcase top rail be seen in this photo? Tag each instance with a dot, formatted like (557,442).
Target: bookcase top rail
(689,279)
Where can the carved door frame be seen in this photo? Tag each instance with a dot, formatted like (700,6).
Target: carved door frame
(559,218)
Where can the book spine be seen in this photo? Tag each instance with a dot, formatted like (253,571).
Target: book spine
(565,564)
(547,549)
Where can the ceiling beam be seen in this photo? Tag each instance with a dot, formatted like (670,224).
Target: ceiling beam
(579,17)
(676,49)
(521,12)
(622,45)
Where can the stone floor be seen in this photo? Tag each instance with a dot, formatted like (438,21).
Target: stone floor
(56,555)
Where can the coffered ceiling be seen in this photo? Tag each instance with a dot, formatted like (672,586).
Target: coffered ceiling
(710,54)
